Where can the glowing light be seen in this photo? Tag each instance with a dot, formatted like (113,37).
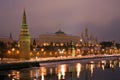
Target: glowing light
(61,44)
(65,52)
(31,73)
(34,74)
(92,50)
(103,50)
(44,53)
(110,63)
(81,40)
(42,77)
(17,51)
(15,75)
(61,51)
(38,53)
(55,53)
(51,70)
(34,49)
(36,58)
(42,72)
(9,52)
(103,64)
(51,53)
(78,69)
(61,72)
(119,64)
(92,67)
(42,49)
(13,49)
(31,53)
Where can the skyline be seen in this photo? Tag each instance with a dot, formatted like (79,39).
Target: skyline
(101,17)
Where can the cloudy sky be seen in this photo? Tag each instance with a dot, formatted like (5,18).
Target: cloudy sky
(101,17)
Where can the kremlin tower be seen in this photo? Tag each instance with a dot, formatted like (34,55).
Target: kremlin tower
(24,40)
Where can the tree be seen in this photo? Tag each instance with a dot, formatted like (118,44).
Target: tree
(3,49)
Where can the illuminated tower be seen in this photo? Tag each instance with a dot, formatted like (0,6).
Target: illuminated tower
(24,40)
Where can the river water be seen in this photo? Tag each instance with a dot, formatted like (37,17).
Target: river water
(72,70)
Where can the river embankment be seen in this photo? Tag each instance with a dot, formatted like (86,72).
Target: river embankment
(36,63)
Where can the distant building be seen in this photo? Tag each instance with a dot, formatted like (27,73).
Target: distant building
(89,43)
(57,37)
(87,38)
(7,40)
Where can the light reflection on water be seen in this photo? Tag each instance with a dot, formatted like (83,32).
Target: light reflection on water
(91,68)
(15,75)
(78,69)
(103,63)
(119,64)
(61,71)
(100,70)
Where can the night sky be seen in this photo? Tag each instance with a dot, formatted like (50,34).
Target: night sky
(101,17)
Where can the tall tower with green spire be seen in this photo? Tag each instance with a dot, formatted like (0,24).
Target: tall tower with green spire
(24,40)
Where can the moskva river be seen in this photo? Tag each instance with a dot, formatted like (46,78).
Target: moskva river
(72,70)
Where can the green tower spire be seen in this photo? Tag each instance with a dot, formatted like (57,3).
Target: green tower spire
(24,40)
(24,18)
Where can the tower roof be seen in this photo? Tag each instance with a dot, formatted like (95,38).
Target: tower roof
(24,18)
(24,27)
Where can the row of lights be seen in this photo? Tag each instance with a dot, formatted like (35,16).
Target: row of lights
(13,50)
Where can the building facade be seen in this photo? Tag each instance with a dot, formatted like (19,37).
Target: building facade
(58,37)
